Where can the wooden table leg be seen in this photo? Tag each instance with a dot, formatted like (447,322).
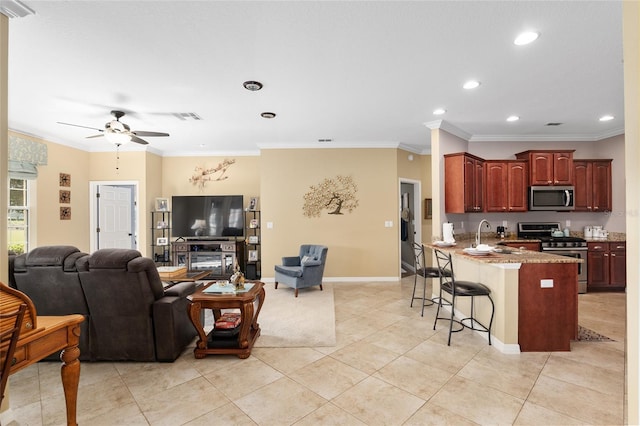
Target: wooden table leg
(201,345)
(70,373)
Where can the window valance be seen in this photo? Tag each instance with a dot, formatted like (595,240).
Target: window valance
(24,157)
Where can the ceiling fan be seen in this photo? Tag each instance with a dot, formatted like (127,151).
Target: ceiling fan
(118,132)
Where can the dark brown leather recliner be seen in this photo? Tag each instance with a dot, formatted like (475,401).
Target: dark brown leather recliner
(132,317)
(48,276)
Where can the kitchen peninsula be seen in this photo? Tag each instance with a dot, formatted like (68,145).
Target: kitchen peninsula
(535,296)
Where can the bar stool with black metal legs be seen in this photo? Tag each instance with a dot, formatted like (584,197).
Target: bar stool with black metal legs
(455,289)
(427,272)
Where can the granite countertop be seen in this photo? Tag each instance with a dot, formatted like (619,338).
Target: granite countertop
(512,255)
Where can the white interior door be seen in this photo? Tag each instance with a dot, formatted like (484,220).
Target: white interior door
(115,217)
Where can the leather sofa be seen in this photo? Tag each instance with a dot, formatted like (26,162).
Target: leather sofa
(48,275)
(128,314)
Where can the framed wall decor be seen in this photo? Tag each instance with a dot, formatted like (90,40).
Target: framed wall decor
(65,179)
(65,213)
(162,204)
(65,196)
(428,208)
(253,255)
(253,204)
(162,241)
(254,239)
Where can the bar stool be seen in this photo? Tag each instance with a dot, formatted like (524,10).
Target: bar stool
(427,272)
(455,289)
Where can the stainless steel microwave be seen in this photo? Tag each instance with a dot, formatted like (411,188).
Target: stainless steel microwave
(556,198)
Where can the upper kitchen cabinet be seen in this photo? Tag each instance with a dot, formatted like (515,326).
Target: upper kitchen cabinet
(549,167)
(593,190)
(463,183)
(506,185)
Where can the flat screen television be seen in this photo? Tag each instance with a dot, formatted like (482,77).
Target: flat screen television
(207,216)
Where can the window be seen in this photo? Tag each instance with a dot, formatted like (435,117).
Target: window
(18,216)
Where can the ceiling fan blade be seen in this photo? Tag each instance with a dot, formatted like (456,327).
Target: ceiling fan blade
(143,133)
(77,125)
(95,136)
(136,139)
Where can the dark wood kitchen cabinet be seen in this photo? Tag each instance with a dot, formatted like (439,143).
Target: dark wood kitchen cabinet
(506,186)
(463,183)
(549,167)
(606,266)
(592,179)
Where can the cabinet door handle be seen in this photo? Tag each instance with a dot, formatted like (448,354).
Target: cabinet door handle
(613,255)
(606,254)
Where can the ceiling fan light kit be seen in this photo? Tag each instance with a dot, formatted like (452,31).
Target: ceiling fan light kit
(268,115)
(119,133)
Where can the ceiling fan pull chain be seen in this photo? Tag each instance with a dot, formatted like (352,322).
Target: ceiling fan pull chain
(117,159)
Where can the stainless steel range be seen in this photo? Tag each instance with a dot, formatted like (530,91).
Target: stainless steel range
(561,246)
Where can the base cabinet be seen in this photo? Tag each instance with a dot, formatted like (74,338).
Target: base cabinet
(219,257)
(606,266)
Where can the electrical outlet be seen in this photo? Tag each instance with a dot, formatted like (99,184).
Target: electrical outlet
(269,225)
(505,223)
(567,223)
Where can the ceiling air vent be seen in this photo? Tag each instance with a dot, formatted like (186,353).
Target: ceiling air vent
(187,116)
(554,124)
(325,140)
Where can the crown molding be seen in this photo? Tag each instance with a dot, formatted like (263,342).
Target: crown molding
(449,128)
(547,138)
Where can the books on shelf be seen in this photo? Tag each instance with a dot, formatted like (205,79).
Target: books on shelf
(228,320)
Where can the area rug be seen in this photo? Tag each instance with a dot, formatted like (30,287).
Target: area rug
(304,321)
(587,335)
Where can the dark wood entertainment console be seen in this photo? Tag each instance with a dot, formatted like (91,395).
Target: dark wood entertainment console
(219,257)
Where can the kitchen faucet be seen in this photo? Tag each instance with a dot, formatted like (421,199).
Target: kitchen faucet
(480,226)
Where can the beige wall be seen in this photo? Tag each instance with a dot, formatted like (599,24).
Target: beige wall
(241,178)
(631,37)
(359,244)
(418,168)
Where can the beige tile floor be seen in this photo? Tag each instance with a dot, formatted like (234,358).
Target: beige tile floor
(389,367)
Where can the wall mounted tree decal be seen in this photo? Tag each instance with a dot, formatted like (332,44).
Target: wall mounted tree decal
(335,195)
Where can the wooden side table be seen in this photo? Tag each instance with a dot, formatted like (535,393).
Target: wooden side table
(238,341)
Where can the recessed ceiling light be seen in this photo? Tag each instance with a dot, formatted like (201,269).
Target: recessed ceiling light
(526,38)
(268,115)
(471,84)
(252,85)
(607,118)
(513,118)
(439,111)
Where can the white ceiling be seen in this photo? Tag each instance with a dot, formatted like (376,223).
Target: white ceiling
(360,73)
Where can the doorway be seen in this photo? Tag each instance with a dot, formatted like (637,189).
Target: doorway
(114,215)
(410,222)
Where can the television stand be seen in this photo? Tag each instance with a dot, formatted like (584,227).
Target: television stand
(219,257)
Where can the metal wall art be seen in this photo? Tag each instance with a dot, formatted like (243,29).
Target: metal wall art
(332,194)
(202,175)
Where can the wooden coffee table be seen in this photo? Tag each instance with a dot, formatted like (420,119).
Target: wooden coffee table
(187,276)
(238,341)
